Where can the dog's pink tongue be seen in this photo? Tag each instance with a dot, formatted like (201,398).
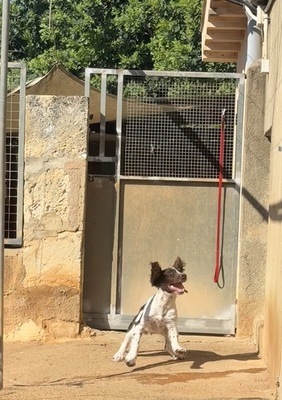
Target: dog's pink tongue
(178,288)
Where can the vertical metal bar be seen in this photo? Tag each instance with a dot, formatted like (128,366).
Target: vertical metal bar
(236,94)
(103,99)
(115,288)
(3,102)
(21,153)
(87,82)
(119,122)
(50,13)
(239,132)
(238,187)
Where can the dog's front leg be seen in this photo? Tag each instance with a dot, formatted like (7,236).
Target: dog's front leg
(172,345)
(120,354)
(131,356)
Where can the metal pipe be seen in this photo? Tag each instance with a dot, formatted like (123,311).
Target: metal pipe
(253,42)
(249,13)
(268,6)
(3,102)
(265,36)
(245,3)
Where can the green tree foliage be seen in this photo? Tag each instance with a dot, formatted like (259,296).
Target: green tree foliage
(163,34)
(76,33)
(136,34)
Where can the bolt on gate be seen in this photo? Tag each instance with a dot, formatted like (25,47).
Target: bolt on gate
(156,137)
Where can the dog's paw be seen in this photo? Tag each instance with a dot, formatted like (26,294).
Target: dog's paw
(181,354)
(130,362)
(118,357)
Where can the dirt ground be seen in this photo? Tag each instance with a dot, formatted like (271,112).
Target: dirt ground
(216,368)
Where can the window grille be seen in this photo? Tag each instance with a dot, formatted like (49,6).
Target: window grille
(173,124)
(15,115)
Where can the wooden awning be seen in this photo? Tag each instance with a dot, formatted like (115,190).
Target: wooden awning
(224,26)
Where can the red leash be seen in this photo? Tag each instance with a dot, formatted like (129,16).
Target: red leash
(221,161)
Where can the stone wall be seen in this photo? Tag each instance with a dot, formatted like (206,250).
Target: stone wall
(43,280)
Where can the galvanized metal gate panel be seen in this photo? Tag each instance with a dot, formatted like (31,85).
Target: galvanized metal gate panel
(166,176)
(172,220)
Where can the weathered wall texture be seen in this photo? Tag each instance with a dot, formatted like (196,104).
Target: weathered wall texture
(254,209)
(43,282)
(273,320)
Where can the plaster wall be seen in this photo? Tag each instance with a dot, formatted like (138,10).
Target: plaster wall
(253,210)
(273,123)
(43,279)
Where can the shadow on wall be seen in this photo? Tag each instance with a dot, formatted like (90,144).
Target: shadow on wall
(256,204)
(213,161)
(275,211)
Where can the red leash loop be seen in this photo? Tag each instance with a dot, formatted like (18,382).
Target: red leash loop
(218,222)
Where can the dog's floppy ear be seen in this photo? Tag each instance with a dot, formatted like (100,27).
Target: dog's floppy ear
(156,273)
(179,264)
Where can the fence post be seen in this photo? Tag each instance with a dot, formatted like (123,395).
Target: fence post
(3,102)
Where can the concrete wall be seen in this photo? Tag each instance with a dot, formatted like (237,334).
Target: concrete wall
(253,210)
(273,124)
(43,279)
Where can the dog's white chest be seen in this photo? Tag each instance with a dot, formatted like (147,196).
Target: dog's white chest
(160,313)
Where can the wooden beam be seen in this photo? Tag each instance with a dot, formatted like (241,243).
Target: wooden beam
(217,56)
(223,8)
(226,23)
(226,4)
(223,30)
(222,46)
(226,12)
(205,15)
(221,3)
(222,58)
(224,36)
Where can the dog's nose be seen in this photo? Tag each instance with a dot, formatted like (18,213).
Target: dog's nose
(184,277)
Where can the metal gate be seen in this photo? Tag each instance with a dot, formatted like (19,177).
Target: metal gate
(152,193)
(14,172)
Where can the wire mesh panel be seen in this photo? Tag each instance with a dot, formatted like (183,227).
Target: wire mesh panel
(14,153)
(173,127)
(164,124)
(11,206)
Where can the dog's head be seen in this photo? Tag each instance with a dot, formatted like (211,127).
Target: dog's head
(169,279)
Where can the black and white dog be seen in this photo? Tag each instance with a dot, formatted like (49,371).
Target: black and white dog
(158,315)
